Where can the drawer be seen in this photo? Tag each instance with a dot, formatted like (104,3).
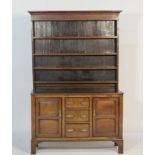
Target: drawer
(77,102)
(77,130)
(77,115)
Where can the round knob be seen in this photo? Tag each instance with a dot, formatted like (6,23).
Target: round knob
(84,103)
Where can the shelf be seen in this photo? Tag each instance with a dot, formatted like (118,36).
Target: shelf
(74,37)
(74,82)
(75,54)
(77,85)
(76,68)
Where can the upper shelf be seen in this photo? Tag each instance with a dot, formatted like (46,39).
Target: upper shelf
(75,54)
(74,38)
(74,82)
(77,68)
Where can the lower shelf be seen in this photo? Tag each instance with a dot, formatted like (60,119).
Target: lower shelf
(51,88)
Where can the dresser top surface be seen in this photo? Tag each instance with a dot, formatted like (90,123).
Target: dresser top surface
(77,11)
(78,94)
(75,15)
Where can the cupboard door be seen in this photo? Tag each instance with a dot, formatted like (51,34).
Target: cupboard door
(105,117)
(48,115)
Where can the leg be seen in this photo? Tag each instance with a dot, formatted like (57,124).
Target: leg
(37,144)
(120,146)
(120,149)
(33,147)
(115,144)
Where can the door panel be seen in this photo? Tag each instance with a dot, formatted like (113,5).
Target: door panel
(105,107)
(48,115)
(105,117)
(105,127)
(48,127)
(49,107)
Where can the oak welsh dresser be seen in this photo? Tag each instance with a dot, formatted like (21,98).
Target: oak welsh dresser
(75,61)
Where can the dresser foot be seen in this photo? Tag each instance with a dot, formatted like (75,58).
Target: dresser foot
(33,147)
(115,144)
(37,145)
(119,143)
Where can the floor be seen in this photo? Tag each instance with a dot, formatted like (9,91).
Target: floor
(132,146)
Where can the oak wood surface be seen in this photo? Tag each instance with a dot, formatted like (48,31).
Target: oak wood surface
(74,15)
(48,117)
(75,64)
(105,117)
(77,111)
(59,46)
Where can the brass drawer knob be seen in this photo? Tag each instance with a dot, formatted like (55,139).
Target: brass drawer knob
(69,103)
(69,116)
(70,130)
(84,116)
(83,130)
(84,103)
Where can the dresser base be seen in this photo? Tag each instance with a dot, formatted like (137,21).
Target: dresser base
(77,117)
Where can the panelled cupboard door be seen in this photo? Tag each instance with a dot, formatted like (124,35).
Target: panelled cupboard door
(105,117)
(48,115)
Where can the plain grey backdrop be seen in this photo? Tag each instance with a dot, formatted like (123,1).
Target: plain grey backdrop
(130,65)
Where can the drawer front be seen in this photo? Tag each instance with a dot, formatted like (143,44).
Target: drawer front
(77,130)
(77,102)
(77,115)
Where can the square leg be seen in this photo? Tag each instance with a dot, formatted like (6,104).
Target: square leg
(33,147)
(119,143)
(115,144)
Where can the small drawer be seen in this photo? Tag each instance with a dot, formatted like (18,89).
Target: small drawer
(77,115)
(77,102)
(77,130)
